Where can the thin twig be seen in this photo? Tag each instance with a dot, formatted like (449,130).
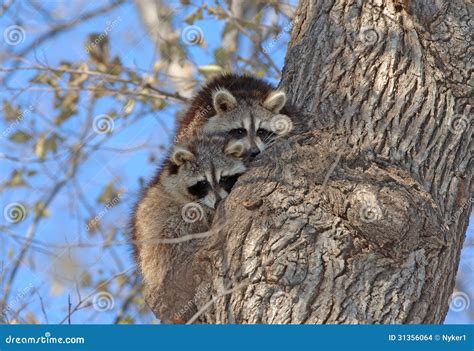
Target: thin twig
(69,308)
(81,302)
(62,27)
(105,76)
(42,308)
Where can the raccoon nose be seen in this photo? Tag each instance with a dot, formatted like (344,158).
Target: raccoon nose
(218,199)
(254,152)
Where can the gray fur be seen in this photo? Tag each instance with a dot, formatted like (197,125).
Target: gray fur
(249,114)
(160,215)
(212,161)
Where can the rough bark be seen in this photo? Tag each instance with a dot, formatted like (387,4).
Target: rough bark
(361,219)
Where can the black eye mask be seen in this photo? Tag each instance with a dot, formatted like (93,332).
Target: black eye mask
(228,182)
(265,135)
(238,133)
(200,189)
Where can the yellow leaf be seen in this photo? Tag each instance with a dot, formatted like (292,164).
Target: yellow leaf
(31,319)
(122,280)
(20,137)
(16,179)
(92,225)
(10,112)
(41,210)
(109,195)
(56,288)
(207,69)
(128,108)
(86,280)
(40,150)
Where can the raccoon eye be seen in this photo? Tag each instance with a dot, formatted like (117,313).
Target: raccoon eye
(264,134)
(200,189)
(238,133)
(228,182)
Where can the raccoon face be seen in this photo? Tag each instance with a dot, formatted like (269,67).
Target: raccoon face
(247,123)
(204,170)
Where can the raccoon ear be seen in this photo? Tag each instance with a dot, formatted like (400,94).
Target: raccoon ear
(235,149)
(180,155)
(223,100)
(275,101)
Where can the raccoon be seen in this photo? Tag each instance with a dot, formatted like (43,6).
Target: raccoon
(246,110)
(195,178)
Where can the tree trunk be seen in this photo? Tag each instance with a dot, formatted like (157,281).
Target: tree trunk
(360,219)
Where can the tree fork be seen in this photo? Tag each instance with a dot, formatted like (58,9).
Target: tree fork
(361,219)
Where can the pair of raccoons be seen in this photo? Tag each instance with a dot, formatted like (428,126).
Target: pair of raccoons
(230,120)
